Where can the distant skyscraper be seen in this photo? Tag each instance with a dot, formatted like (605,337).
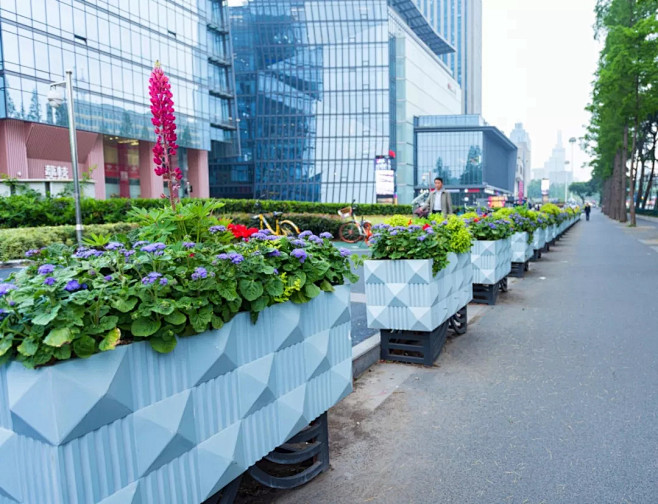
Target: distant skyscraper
(460,23)
(555,169)
(521,139)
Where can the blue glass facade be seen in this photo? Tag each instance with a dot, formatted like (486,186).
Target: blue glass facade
(313,82)
(466,152)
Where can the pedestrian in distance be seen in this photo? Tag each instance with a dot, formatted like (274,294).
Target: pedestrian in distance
(439,201)
(588,209)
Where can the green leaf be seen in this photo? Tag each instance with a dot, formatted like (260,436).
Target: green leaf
(63,353)
(311,290)
(201,318)
(161,345)
(326,286)
(297,275)
(274,287)
(176,318)
(28,347)
(46,317)
(227,291)
(125,305)
(5,345)
(143,327)
(299,298)
(84,347)
(217,322)
(260,304)
(58,337)
(251,289)
(105,324)
(164,307)
(109,342)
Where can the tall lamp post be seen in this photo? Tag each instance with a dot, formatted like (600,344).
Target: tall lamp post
(55,99)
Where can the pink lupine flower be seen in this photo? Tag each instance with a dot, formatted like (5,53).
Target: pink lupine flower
(162,108)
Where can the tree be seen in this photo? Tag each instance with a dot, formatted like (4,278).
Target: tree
(534,190)
(472,173)
(34,114)
(582,189)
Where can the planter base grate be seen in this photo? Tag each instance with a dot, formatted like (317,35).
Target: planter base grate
(536,255)
(459,321)
(488,293)
(413,347)
(519,269)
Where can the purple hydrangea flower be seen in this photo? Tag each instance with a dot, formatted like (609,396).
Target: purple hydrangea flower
(300,254)
(274,253)
(414,227)
(306,233)
(12,302)
(265,232)
(32,252)
(326,235)
(394,232)
(72,286)
(140,243)
(164,281)
(255,253)
(429,230)
(128,253)
(85,253)
(217,229)
(260,236)
(422,237)
(345,252)
(276,271)
(492,225)
(151,278)
(235,257)
(114,246)
(189,245)
(5,288)
(222,257)
(199,273)
(316,240)
(108,278)
(49,281)
(154,247)
(298,243)
(158,253)
(46,269)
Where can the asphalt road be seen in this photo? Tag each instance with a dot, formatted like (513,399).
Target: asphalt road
(551,396)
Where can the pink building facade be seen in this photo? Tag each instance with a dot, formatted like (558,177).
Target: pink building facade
(119,167)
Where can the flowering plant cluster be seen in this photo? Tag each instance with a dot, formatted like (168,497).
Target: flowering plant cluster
(80,302)
(523,220)
(490,227)
(422,239)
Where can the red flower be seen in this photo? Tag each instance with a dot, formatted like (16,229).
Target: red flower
(426,226)
(192,254)
(409,223)
(241,231)
(476,219)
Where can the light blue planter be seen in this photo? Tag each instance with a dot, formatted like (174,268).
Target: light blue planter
(132,426)
(405,295)
(538,239)
(492,260)
(521,250)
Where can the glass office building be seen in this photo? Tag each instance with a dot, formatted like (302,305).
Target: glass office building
(111,46)
(316,86)
(460,23)
(473,158)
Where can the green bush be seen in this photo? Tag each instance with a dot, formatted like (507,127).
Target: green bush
(15,242)
(29,211)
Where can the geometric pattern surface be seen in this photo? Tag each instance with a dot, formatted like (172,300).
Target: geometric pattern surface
(405,295)
(538,239)
(492,260)
(133,426)
(521,249)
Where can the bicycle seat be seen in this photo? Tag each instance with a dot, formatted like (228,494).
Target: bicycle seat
(277,214)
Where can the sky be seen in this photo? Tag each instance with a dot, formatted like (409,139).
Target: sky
(538,64)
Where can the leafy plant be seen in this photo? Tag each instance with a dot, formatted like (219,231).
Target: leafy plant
(489,228)
(77,303)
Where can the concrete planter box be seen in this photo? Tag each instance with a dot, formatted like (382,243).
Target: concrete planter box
(133,426)
(405,295)
(539,239)
(521,250)
(492,260)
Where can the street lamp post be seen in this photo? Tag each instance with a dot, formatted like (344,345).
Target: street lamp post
(55,99)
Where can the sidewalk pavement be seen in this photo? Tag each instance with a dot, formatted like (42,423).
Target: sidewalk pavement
(550,397)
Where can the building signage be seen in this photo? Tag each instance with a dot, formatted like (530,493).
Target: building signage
(384,177)
(57,172)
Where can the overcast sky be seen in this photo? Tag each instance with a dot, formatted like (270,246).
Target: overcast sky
(539,59)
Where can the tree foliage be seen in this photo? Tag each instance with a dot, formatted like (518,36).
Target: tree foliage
(624,108)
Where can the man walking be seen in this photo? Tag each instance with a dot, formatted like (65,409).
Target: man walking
(439,201)
(588,209)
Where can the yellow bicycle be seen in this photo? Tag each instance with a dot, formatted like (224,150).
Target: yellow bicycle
(283,227)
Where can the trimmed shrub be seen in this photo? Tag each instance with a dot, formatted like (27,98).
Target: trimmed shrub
(15,242)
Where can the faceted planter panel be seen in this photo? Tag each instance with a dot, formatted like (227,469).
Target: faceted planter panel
(405,295)
(521,249)
(132,426)
(538,239)
(492,260)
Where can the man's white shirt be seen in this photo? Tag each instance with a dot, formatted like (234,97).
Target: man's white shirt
(437,201)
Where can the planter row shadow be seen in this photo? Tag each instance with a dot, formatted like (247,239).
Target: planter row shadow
(413,309)
(132,426)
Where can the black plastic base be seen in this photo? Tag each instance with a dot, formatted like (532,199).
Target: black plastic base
(536,255)
(488,294)
(305,455)
(413,347)
(458,323)
(519,269)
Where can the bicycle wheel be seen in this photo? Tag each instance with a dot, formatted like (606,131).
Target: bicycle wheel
(288,228)
(350,232)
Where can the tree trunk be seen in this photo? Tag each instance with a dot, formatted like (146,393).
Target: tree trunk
(647,191)
(640,186)
(623,217)
(633,176)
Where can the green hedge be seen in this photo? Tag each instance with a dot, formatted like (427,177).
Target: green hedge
(15,242)
(652,213)
(28,211)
